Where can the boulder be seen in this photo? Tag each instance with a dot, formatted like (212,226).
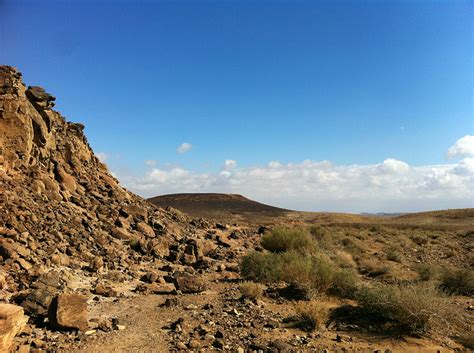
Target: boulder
(145,229)
(12,322)
(69,311)
(138,213)
(189,283)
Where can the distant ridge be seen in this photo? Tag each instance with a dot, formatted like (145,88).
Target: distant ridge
(217,206)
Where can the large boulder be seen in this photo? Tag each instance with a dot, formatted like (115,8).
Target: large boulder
(189,283)
(69,311)
(12,322)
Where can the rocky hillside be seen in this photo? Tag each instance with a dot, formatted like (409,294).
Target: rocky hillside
(66,225)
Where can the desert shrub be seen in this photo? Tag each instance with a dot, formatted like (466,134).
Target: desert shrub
(134,244)
(323,272)
(419,239)
(296,270)
(466,339)
(311,274)
(283,239)
(393,253)
(345,284)
(311,315)
(415,308)
(373,268)
(322,236)
(352,245)
(260,267)
(251,290)
(458,281)
(344,259)
(425,272)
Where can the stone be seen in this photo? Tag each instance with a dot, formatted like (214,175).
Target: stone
(12,322)
(121,233)
(170,302)
(221,226)
(188,283)
(218,343)
(149,277)
(38,94)
(69,311)
(105,325)
(145,229)
(137,212)
(181,346)
(11,249)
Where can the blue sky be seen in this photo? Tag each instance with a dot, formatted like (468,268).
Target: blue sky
(350,82)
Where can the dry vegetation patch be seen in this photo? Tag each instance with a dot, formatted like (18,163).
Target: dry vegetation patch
(283,239)
(458,281)
(311,315)
(414,308)
(251,290)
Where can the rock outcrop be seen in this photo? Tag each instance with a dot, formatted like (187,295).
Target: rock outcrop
(69,233)
(60,208)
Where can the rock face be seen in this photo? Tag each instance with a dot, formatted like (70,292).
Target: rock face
(12,322)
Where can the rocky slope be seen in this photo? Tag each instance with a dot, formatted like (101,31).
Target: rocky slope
(60,206)
(67,226)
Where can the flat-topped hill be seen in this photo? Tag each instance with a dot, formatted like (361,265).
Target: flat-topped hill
(224,207)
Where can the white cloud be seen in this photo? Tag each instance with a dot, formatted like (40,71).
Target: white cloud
(184,147)
(229,164)
(463,147)
(150,163)
(389,186)
(102,156)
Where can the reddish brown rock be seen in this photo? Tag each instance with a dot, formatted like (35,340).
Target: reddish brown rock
(69,311)
(188,283)
(12,322)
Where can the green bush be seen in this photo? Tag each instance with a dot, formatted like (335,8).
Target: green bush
(283,239)
(260,267)
(393,253)
(425,272)
(308,273)
(415,308)
(311,274)
(345,284)
(458,281)
(322,235)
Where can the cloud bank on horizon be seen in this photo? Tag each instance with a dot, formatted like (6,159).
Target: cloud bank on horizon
(389,186)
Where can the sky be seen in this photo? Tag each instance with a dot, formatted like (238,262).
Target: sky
(349,106)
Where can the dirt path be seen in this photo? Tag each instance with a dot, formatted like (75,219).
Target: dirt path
(145,319)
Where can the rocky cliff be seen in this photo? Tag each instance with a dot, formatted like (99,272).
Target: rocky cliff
(64,219)
(59,203)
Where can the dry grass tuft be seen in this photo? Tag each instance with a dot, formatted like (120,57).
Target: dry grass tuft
(415,309)
(311,315)
(458,281)
(251,290)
